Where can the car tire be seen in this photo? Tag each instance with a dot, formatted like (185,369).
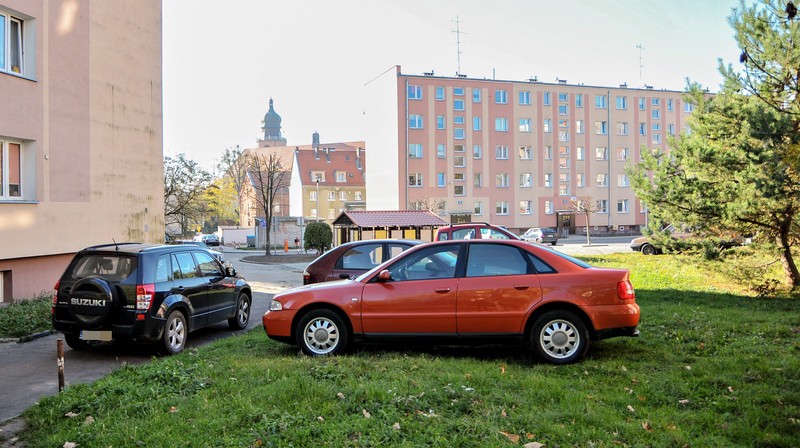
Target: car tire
(553,243)
(322,333)
(559,337)
(539,240)
(76,343)
(175,334)
(648,249)
(242,317)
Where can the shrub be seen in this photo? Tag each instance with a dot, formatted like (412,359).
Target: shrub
(318,236)
(24,317)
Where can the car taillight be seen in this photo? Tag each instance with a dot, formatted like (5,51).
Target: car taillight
(625,290)
(306,278)
(55,297)
(144,296)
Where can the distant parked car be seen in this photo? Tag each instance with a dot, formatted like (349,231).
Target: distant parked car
(353,259)
(541,235)
(210,240)
(647,246)
(474,231)
(506,291)
(217,254)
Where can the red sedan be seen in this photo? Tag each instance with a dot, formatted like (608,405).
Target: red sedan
(489,289)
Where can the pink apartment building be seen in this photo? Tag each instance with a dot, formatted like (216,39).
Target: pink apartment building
(81,158)
(513,153)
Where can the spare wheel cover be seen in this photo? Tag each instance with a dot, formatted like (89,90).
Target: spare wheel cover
(90,301)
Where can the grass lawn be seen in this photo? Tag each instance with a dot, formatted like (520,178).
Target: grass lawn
(713,367)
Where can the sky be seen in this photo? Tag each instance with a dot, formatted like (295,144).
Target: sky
(223,61)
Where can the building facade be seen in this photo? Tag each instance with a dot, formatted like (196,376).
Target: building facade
(81,160)
(514,153)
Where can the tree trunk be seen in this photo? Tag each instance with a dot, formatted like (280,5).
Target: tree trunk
(588,237)
(787,260)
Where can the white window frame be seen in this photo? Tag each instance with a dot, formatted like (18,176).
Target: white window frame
(524,125)
(501,152)
(524,98)
(415,121)
(526,180)
(501,124)
(414,92)
(6,193)
(414,152)
(525,153)
(415,180)
(501,207)
(525,207)
(501,180)
(501,96)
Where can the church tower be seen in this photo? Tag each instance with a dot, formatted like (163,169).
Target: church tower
(272,129)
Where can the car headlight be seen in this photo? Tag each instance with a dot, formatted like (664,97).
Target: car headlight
(274,305)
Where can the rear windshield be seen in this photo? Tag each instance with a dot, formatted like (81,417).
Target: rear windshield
(109,266)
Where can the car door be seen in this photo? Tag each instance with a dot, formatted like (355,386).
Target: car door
(420,298)
(220,290)
(190,284)
(498,289)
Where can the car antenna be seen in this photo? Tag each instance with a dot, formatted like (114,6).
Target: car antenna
(115,244)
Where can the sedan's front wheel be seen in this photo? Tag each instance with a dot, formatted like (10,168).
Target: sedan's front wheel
(322,332)
(559,337)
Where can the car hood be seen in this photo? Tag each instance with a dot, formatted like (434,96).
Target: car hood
(338,291)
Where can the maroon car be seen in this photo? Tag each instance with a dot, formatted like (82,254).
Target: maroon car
(353,259)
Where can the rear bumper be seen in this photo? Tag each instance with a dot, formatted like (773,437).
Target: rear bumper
(615,332)
(147,330)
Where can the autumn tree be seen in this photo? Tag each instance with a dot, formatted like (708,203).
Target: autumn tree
(584,205)
(737,168)
(270,179)
(185,184)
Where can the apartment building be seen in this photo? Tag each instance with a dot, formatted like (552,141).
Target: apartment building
(514,153)
(81,158)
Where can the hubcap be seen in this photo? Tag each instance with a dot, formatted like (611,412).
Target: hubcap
(559,339)
(321,336)
(176,333)
(244,310)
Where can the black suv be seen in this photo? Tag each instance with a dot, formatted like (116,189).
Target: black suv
(147,293)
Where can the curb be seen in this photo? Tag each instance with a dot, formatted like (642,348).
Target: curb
(28,338)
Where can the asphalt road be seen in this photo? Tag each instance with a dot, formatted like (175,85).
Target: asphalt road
(29,370)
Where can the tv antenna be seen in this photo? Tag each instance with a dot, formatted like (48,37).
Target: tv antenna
(458,43)
(640,47)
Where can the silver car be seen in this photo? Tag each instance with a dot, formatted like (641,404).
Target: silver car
(541,235)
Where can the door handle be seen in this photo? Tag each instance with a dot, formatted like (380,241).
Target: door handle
(442,290)
(521,287)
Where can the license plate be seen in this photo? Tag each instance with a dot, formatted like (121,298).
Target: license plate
(89,335)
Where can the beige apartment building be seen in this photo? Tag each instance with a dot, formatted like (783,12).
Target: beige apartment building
(514,153)
(80,133)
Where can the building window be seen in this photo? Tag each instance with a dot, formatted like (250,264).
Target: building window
(414,152)
(477,151)
(622,102)
(642,128)
(602,206)
(622,206)
(656,114)
(458,119)
(501,207)
(501,152)
(318,176)
(415,121)
(562,109)
(439,93)
(578,100)
(546,98)
(313,213)
(670,105)
(331,213)
(526,180)
(622,180)
(642,103)
(415,180)
(459,162)
(458,105)
(501,124)
(11,170)
(476,95)
(600,153)
(458,148)
(500,97)
(579,126)
(458,177)
(656,139)
(341,176)
(524,125)
(600,101)
(11,44)
(602,180)
(501,180)
(671,129)
(441,152)
(563,162)
(622,128)
(312,196)
(547,153)
(476,123)
(563,150)
(548,207)
(358,196)
(458,133)
(548,180)
(414,92)
(478,209)
(525,153)
(440,122)
(601,127)
(563,190)
(342,195)
(458,190)
(580,153)
(524,207)
(622,154)
(524,98)
(331,196)
(563,97)
(563,124)
(563,136)
(458,91)
(580,180)
(477,179)
(440,179)
(655,101)
(547,125)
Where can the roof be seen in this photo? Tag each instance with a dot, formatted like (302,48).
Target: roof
(330,159)
(389,218)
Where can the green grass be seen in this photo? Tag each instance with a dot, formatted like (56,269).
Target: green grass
(714,367)
(25,317)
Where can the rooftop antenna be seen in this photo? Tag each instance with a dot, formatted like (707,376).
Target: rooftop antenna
(458,43)
(640,47)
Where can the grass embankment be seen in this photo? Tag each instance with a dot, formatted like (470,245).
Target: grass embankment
(712,368)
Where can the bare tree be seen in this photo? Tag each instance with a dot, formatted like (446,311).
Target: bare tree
(584,205)
(234,165)
(430,204)
(270,180)
(185,185)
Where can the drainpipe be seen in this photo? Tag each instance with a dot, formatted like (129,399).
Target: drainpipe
(608,157)
(405,148)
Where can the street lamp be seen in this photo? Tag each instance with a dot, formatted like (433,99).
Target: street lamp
(319,202)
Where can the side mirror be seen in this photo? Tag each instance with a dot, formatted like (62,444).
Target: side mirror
(384,276)
(230,271)
(344,276)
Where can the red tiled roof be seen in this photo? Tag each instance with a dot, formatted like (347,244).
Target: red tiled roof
(389,218)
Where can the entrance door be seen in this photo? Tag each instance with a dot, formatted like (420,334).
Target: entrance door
(566,224)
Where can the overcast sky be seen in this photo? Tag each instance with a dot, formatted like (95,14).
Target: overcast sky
(224,60)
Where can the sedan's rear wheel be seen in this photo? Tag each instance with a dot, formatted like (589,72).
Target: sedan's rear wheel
(559,337)
(648,249)
(175,332)
(321,333)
